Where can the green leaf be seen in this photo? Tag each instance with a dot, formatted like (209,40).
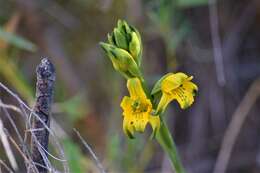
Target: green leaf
(17,40)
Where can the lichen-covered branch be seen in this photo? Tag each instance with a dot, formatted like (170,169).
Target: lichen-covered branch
(44,97)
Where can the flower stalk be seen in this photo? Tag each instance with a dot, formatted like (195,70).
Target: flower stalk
(166,141)
(124,49)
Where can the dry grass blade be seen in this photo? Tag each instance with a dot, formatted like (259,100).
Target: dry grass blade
(26,112)
(6,145)
(98,163)
(5,166)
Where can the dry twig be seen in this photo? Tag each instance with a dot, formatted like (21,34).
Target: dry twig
(218,56)
(235,126)
(44,97)
(98,163)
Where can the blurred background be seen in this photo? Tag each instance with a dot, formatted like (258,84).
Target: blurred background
(218,42)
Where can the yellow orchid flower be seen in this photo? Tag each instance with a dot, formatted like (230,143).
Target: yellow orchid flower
(137,110)
(176,86)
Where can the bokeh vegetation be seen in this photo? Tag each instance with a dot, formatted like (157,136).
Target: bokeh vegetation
(218,43)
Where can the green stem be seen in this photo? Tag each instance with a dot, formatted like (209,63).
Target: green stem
(165,139)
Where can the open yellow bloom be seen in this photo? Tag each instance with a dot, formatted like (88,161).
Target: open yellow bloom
(137,110)
(177,86)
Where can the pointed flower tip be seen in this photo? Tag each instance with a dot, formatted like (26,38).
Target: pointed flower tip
(129,134)
(119,22)
(103,46)
(124,22)
(108,36)
(185,105)
(106,47)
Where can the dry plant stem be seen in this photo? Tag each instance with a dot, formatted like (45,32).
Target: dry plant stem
(7,106)
(44,96)
(24,109)
(235,126)
(21,143)
(7,147)
(218,56)
(27,160)
(98,163)
(5,166)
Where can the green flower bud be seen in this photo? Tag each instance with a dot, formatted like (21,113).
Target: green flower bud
(120,39)
(122,61)
(111,39)
(135,47)
(127,38)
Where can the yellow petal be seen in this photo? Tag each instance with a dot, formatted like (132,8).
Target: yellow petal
(155,123)
(141,121)
(185,94)
(128,126)
(177,86)
(173,81)
(134,122)
(165,100)
(135,88)
(126,104)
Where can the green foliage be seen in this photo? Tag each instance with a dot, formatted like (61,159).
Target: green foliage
(191,3)
(167,16)
(10,71)
(74,156)
(17,41)
(73,107)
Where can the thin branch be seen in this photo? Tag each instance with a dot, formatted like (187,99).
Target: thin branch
(235,126)
(12,107)
(216,42)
